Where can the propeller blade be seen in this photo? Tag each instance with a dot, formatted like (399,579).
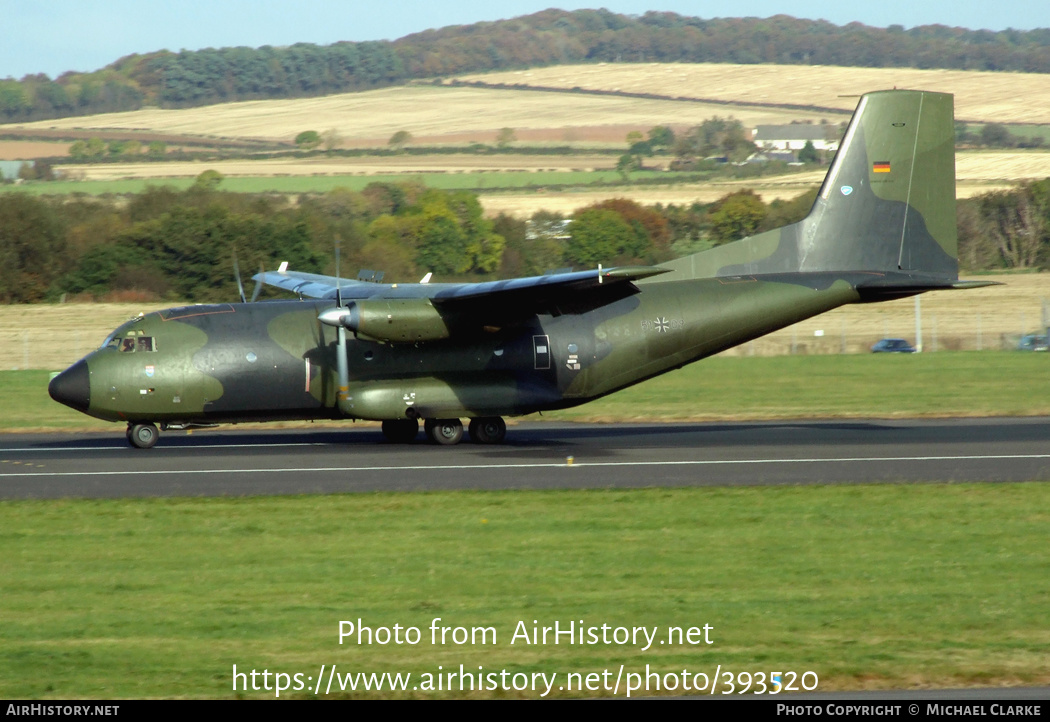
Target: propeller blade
(237,274)
(338,290)
(340,352)
(258,284)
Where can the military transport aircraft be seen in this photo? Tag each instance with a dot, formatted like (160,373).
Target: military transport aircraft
(883,227)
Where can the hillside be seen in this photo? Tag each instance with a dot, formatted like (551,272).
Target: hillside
(430,113)
(753,93)
(551,37)
(461,114)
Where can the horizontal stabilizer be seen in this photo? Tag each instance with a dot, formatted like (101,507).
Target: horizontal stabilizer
(883,287)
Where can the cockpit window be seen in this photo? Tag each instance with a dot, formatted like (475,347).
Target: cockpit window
(116,339)
(131,344)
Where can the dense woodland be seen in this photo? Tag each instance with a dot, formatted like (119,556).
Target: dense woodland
(166,244)
(551,37)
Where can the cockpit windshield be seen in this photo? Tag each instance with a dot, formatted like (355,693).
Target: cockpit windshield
(127,340)
(134,344)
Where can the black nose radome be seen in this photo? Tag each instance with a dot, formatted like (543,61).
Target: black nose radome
(72,387)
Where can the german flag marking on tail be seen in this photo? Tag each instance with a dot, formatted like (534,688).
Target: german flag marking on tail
(880,166)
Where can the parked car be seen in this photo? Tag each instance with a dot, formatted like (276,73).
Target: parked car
(1033,342)
(893,345)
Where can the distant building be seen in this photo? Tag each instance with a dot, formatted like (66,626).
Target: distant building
(558,229)
(9,169)
(794,137)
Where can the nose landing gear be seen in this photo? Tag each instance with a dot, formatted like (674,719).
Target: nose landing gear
(142,436)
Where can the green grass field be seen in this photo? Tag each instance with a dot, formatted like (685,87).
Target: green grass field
(977,383)
(867,587)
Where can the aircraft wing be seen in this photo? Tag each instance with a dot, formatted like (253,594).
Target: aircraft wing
(310,285)
(495,301)
(554,295)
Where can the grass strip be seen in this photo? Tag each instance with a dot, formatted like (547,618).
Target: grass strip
(867,586)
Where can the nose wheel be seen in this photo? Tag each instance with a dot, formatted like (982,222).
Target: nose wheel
(142,436)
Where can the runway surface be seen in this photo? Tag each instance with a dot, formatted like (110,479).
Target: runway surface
(539,455)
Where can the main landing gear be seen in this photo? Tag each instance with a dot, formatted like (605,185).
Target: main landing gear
(447,432)
(487,430)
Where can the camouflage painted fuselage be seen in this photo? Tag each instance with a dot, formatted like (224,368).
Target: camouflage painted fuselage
(275,360)
(882,227)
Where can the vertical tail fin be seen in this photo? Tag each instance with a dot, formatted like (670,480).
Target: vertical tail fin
(887,205)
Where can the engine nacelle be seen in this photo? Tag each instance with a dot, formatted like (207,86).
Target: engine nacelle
(400,320)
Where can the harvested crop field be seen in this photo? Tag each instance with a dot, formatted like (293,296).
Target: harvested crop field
(523,204)
(978,173)
(29,149)
(979,96)
(756,94)
(994,166)
(426,112)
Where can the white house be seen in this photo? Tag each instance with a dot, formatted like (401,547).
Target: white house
(794,137)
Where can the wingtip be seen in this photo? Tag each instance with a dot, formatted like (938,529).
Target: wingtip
(632,273)
(964,285)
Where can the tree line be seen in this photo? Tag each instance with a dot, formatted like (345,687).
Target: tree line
(191,78)
(164,244)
